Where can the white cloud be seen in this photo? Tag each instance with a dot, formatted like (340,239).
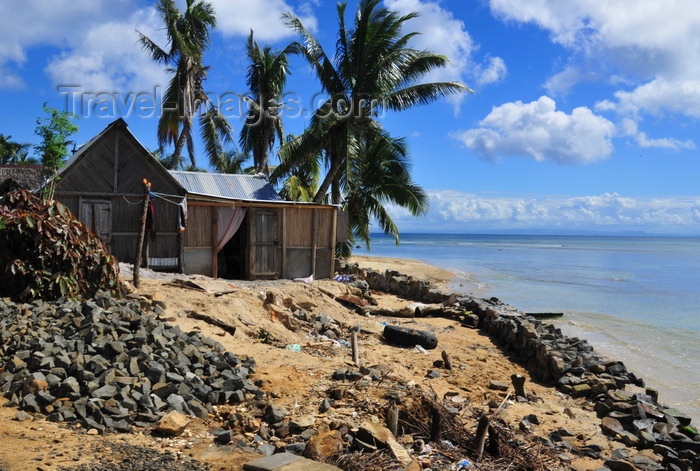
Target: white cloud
(538,130)
(652,47)
(629,127)
(98,43)
(562,82)
(639,36)
(443,34)
(456,211)
(493,70)
(10,79)
(663,142)
(56,23)
(238,17)
(107,57)
(657,96)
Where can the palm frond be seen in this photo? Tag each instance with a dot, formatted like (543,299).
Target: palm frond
(215,132)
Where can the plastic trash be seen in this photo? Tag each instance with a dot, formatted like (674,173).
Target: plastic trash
(426,450)
(308,280)
(463,464)
(419,349)
(294,347)
(449,444)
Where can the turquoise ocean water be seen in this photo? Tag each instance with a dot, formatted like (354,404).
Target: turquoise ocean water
(635,299)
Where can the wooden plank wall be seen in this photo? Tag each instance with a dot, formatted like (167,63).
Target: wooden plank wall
(304,227)
(135,164)
(199,226)
(125,228)
(298,227)
(94,173)
(126,212)
(71,202)
(324,228)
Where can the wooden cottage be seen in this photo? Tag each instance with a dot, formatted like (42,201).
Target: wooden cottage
(102,184)
(238,227)
(235,226)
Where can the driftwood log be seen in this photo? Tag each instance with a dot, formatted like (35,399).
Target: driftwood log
(213,321)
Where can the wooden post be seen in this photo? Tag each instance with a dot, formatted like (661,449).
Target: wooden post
(334,236)
(181,252)
(481,432)
(214,243)
(436,425)
(284,243)
(392,419)
(519,385)
(355,349)
(147,251)
(142,233)
(446,360)
(314,240)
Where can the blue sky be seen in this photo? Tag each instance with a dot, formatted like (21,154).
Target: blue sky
(584,116)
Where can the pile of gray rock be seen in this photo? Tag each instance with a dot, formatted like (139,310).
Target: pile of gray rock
(107,365)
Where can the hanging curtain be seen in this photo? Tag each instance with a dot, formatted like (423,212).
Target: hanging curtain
(182,215)
(235,217)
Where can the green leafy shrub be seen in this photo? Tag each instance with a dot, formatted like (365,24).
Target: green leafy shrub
(45,252)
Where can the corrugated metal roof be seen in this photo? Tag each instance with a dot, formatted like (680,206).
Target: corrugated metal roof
(223,185)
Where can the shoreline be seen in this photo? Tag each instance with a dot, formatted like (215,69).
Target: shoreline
(453,280)
(464,283)
(628,410)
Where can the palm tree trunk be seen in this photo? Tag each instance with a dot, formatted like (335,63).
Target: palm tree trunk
(265,151)
(179,146)
(330,176)
(335,189)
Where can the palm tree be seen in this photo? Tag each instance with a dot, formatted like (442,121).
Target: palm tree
(301,181)
(372,70)
(380,175)
(230,161)
(266,78)
(22,158)
(14,152)
(188,39)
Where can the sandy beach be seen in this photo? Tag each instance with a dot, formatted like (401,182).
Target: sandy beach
(300,380)
(441,277)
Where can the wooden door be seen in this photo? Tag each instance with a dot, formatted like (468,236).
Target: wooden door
(97,216)
(264,243)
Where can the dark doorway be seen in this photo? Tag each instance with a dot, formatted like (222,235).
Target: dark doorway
(232,258)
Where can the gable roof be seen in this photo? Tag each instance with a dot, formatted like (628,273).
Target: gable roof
(85,147)
(103,165)
(226,185)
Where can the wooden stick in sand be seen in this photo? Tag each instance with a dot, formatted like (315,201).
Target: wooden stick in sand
(355,349)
